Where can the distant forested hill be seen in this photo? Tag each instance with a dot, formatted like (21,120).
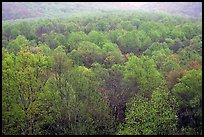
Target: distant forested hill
(193,9)
(21,10)
(18,11)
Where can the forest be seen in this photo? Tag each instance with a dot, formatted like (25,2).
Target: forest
(104,73)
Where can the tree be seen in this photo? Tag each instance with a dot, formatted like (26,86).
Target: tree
(187,55)
(176,45)
(45,49)
(136,22)
(11,116)
(87,53)
(102,25)
(189,30)
(30,77)
(177,33)
(6,32)
(90,27)
(26,29)
(129,42)
(16,45)
(155,35)
(60,64)
(114,90)
(112,53)
(53,39)
(127,25)
(196,44)
(72,27)
(139,72)
(75,38)
(97,37)
(188,93)
(170,66)
(160,57)
(156,46)
(150,117)
(59,102)
(146,42)
(113,35)
(91,107)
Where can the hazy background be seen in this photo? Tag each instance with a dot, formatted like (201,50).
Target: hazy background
(21,10)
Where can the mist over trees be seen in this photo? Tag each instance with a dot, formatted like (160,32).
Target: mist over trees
(21,10)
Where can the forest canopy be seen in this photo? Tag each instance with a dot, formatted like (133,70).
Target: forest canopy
(105,73)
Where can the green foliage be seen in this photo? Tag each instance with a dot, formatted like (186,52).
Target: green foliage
(190,84)
(156,46)
(150,117)
(45,49)
(170,66)
(16,45)
(112,53)
(29,72)
(93,106)
(53,40)
(196,44)
(114,35)
(188,93)
(129,72)
(140,71)
(75,38)
(129,42)
(126,25)
(97,37)
(187,55)
(59,61)
(87,53)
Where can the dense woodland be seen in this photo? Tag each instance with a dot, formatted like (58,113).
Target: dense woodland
(118,73)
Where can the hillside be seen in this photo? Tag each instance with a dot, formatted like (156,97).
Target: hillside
(18,11)
(193,9)
(21,10)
